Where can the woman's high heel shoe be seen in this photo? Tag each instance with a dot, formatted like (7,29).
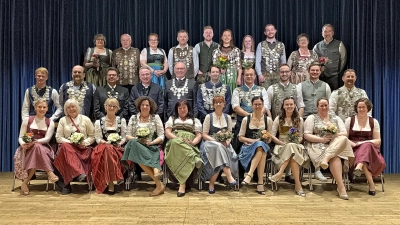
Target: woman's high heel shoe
(260,192)
(244,183)
(342,196)
(274,179)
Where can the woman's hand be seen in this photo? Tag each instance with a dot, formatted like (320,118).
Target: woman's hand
(27,146)
(158,73)
(96,63)
(326,139)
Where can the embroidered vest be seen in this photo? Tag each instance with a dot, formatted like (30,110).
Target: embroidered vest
(184,55)
(50,103)
(271,58)
(279,93)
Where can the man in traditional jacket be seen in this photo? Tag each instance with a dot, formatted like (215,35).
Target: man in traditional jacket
(79,90)
(185,54)
(341,102)
(335,52)
(179,88)
(127,60)
(205,50)
(270,54)
(41,90)
(111,90)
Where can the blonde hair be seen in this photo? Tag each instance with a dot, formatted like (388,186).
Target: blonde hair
(42,69)
(111,100)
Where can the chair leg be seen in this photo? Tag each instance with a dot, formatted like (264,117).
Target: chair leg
(310,179)
(165,174)
(47,185)
(382,182)
(54,186)
(200,183)
(13,185)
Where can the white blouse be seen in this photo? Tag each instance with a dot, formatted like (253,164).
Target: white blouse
(218,121)
(98,132)
(66,128)
(356,127)
(131,130)
(38,125)
(197,124)
(143,53)
(242,131)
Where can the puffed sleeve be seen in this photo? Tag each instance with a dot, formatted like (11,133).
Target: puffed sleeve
(22,130)
(160,127)
(275,126)
(269,124)
(347,124)
(98,134)
(301,127)
(206,124)
(377,129)
(342,128)
(197,125)
(169,123)
(123,129)
(309,125)
(230,124)
(242,131)
(130,127)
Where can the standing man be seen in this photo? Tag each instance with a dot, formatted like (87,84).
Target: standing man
(185,54)
(41,90)
(277,92)
(111,90)
(335,51)
(179,88)
(311,91)
(342,100)
(270,54)
(204,50)
(241,104)
(147,88)
(207,92)
(127,60)
(79,90)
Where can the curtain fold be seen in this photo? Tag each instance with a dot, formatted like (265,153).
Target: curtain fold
(56,34)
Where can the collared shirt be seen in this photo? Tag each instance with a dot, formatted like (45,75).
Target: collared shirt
(112,88)
(195,60)
(259,57)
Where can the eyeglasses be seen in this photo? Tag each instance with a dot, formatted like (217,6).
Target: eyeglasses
(180,68)
(153,40)
(112,106)
(284,72)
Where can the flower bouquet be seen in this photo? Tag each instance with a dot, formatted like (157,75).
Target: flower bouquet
(223,135)
(293,135)
(329,129)
(28,137)
(222,62)
(142,134)
(95,58)
(246,64)
(113,139)
(263,135)
(76,138)
(323,60)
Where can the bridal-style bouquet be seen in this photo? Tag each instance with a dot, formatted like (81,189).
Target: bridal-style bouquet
(323,60)
(247,64)
(28,137)
(223,135)
(76,138)
(222,62)
(293,135)
(143,132)
(329,128)
(113,139)
(263,135)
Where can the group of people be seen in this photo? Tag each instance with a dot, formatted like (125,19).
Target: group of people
(186,122)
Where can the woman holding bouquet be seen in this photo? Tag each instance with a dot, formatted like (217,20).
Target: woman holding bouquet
(110,136)
(327,143)
(365,138)
(34,152)
(97,61)
(145,133)
(288,150)
(254,134)
(75,134)
(232,69)
(181,153)
(216,150)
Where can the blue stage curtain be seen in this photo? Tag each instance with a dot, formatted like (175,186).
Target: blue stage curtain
(56,34)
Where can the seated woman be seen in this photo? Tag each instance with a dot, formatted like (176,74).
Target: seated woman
(34,153)
(143,149)
(327,143)
(73,157)
(181,153)
(216,154)
(106,156)
(254,149)
(288,150)
(365,138)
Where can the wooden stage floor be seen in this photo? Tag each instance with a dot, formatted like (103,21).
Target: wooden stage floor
(321,206)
